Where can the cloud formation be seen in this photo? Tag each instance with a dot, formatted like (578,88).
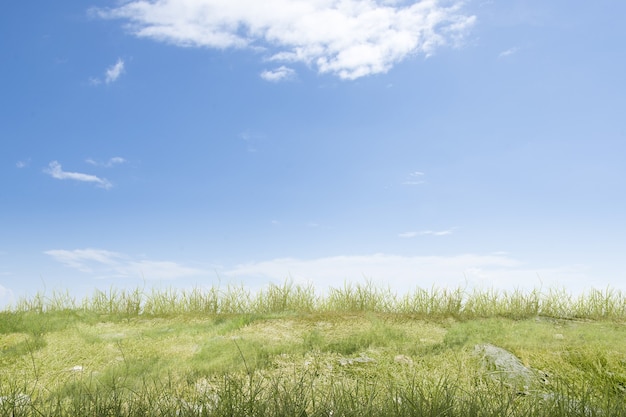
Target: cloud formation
(107,264)
(427,233)
(281,73)
(114,71)
(111,74)
(346,38)
(508,52)
(117,160)
(415,178)
(55,170)
(83,259)
(23,164)
(405,273)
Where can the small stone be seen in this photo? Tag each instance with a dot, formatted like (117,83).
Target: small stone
(403,359)
(559,336)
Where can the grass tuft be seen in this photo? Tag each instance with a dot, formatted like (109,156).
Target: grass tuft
(608,304)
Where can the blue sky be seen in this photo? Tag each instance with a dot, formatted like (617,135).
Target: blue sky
(177,143)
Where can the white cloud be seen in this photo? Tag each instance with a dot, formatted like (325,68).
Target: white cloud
(415,178)
(114,72)
(107,264)
(111,74)
(438,233)
(281,73)
(23,164)
(156,270)
(84,259)
(117,160)
(56,171)
(346,38)
(405,273)
(427,233)
(401,273)
(508,52)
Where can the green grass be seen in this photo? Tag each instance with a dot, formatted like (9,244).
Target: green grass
(359,350)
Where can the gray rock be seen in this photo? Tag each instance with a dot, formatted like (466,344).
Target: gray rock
(505,367)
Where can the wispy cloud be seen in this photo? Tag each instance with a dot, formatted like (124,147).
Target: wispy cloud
(114,72)
(117,160)
(84,259)
(508,52)
(23,163)
(111,74)
(55,170)
(404,273)
(349,38)
(415,178)
(281,73)
(437,233)
(252,139)
(106,264)
(427,233)
(157,270)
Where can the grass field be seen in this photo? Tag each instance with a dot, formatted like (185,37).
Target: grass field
(359,350)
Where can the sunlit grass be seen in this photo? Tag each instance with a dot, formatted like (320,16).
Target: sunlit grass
(433,303)
(358,350)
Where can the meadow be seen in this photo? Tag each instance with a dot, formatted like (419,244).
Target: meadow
(357,350)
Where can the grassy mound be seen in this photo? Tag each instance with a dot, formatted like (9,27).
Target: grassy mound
(359,351)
